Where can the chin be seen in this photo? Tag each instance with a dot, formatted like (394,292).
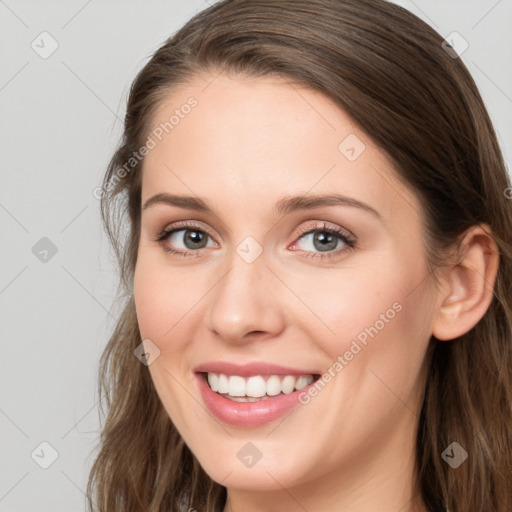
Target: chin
(264,475)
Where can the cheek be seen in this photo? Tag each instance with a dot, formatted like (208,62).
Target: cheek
(151,304)
(376,314)
(380,320)
(167,300)
(344,302)
(164,302)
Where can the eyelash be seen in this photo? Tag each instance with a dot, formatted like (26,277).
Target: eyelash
(349,241)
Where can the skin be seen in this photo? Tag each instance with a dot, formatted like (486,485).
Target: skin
(248,143)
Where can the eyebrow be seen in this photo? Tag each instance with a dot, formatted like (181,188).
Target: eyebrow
(284,206)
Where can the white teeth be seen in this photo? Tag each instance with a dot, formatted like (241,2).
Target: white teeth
(246,398)
(273,385)
(303,381)
(213,380)
(256,386)
(287,384)
(223,385)
(236,386)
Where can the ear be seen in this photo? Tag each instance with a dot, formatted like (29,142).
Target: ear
(468,285)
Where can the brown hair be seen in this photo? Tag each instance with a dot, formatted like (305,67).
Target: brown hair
(387,70)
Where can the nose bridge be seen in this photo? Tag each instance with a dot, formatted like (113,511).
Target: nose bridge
(242,301)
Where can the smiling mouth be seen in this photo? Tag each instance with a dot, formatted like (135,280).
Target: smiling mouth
(257,387)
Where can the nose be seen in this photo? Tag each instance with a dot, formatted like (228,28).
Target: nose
(245,304)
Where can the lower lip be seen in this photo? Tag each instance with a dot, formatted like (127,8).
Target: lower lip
(247,414)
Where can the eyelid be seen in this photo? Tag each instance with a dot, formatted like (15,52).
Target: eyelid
(348,238)
(190,224)
(327,226)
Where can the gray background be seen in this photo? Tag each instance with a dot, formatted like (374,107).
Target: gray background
(61,119)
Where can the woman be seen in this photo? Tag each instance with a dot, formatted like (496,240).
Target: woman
(317,263)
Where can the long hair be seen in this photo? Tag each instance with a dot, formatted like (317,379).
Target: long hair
(390,72)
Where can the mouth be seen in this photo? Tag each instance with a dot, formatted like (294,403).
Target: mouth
(252,394)
(256,388)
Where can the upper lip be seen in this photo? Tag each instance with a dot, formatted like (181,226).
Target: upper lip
(250,369)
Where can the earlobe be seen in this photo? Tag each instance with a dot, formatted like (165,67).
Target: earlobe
(468,286)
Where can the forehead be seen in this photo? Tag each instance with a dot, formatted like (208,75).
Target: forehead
(253,140)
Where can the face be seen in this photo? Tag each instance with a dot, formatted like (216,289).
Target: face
(336,289)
